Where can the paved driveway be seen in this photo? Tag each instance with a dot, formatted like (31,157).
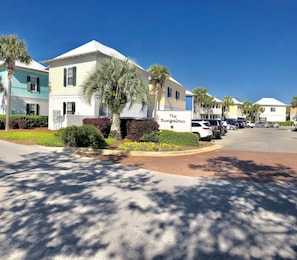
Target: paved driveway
(55,206)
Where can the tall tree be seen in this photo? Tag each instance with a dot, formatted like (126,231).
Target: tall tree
(247,109)
(226,103)
(1,85)
(294,102)
(158,75)
(256,111)
(200,94)
(117,83)
(11,50)
(209,102)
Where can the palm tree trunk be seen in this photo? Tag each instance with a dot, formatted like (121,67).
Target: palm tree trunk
(8,103)
(115,128)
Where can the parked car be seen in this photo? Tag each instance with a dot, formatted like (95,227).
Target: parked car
(240,124)
(267,124)
(217,128)
(231,124)
(250,124)
(202,129)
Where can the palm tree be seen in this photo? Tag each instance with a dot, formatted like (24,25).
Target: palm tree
(158,75)
(256,111)
(247,109)
(209,101)
(226,103)
(200,94)
(294,102)
(12,50)
(117,83)
(1,85)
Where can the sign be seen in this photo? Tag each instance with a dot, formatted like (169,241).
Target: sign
(178,121)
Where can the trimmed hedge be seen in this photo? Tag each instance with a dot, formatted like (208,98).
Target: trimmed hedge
(137,128)
(103,124)
(24,121)
(82,136)
(178,138)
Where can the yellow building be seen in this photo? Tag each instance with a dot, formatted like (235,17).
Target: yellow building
(235,111)
(173,97)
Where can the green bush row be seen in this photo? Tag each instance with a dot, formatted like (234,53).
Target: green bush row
(82,136)
(24,121)
(178,138)
(287,123)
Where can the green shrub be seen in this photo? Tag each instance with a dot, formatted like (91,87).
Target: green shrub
(287,123)
(178,138)
(82,136)
(150,137)
(32,121)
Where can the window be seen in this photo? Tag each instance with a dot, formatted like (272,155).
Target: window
(32,109)
(32,83)
(69,108)
(70,76)
(272,109)
(169,92)
(177,95)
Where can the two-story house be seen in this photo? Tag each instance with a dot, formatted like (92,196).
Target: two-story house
(204,112)
(234,111)
(274,110)
(29,89)
(67,105)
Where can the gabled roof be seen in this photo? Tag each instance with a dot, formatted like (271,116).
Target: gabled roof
(34,65)
(270,102)
(189,93)
(89,48)
(236,101)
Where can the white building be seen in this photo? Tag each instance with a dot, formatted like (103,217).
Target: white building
(274,110)
(67,105)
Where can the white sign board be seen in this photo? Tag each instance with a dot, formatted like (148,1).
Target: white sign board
(178,121)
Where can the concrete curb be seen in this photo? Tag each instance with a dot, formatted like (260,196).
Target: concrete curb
(133,153)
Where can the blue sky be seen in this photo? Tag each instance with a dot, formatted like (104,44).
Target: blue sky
(241,48)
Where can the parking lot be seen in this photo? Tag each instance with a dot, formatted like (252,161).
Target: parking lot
(282,140)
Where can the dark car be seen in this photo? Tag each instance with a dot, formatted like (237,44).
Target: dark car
(241,124)
(217,128)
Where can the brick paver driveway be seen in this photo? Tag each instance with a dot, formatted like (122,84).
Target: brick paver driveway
(261,155)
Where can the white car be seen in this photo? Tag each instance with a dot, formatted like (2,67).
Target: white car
(202,129)
(250,124)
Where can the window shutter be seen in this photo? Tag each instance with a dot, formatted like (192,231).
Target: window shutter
(65,77)
(28,84)
(38,85)
(27,109)
(64,108)
(74,76)
(73,108)
(37,109)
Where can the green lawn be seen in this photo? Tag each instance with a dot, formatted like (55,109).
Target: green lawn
(33,136)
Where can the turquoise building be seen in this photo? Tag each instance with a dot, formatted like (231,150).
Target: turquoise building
(29,89)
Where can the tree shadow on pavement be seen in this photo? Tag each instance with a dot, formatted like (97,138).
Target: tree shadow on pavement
(53,205)
(233,168)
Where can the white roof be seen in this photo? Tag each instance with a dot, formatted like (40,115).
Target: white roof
(270,102)
(92,47)
(236,101)
(189,93)
(34,65)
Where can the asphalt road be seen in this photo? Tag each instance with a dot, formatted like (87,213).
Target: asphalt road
(282,140)
(55,206)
